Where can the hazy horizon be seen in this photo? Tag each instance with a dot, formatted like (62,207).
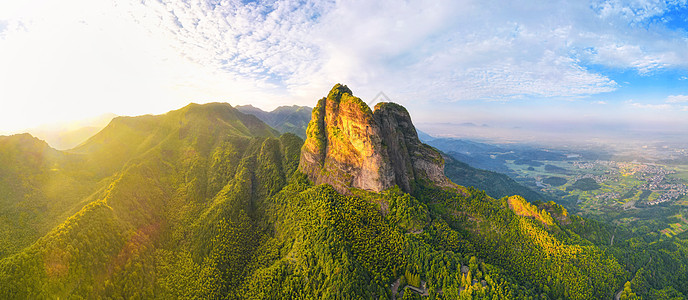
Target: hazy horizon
(614,135)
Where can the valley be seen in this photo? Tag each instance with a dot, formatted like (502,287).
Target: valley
(617,185)
(641,191)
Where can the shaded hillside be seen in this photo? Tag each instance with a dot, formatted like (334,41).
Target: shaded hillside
(494,184)
(293,119)
(478,155)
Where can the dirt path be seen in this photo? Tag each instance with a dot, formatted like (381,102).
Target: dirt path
(395,287)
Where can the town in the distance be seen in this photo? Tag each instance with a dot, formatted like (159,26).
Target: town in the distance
(627,184)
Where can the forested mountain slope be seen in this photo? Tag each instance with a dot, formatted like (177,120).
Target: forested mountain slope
(39,187)
(293,119)
(160,174)
(208,202)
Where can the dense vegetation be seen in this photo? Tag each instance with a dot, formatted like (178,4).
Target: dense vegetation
(585,184)
(206,202)
(554,181)
(555,169)
(39,188)
(654,263)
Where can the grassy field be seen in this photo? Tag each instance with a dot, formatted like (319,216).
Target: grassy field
(681,172)
(676,228)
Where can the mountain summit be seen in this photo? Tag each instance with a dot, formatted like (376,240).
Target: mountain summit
(350,145)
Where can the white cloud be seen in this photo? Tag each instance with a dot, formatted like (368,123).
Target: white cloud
(673,103)
(624,56)
(466,49)
(677,99)
(414,46)
(636,12)
(651,106)
(93,56)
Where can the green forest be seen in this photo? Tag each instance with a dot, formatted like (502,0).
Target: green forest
(207,202)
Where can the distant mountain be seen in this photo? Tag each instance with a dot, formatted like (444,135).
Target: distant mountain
(493,157)
(424,137)
(478,155)
(63,136)
(293,119)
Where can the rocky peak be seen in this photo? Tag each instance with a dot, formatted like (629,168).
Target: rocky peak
(349,145)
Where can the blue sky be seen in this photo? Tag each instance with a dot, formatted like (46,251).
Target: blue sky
(447,61)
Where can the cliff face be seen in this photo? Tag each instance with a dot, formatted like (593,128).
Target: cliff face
(348,145)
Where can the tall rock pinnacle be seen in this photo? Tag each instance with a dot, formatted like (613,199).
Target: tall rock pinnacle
(350,146)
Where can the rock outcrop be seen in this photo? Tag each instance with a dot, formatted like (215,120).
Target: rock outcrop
(350,146)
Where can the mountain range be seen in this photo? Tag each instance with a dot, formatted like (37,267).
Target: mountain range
(209,202)
(293,119)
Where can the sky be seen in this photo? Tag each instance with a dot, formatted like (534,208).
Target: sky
(454,61)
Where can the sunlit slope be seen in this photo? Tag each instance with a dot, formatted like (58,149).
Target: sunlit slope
(158,172)
(128,137)
(39,188)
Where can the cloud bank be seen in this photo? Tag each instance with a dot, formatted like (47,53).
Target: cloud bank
(440,50)
(280,52)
